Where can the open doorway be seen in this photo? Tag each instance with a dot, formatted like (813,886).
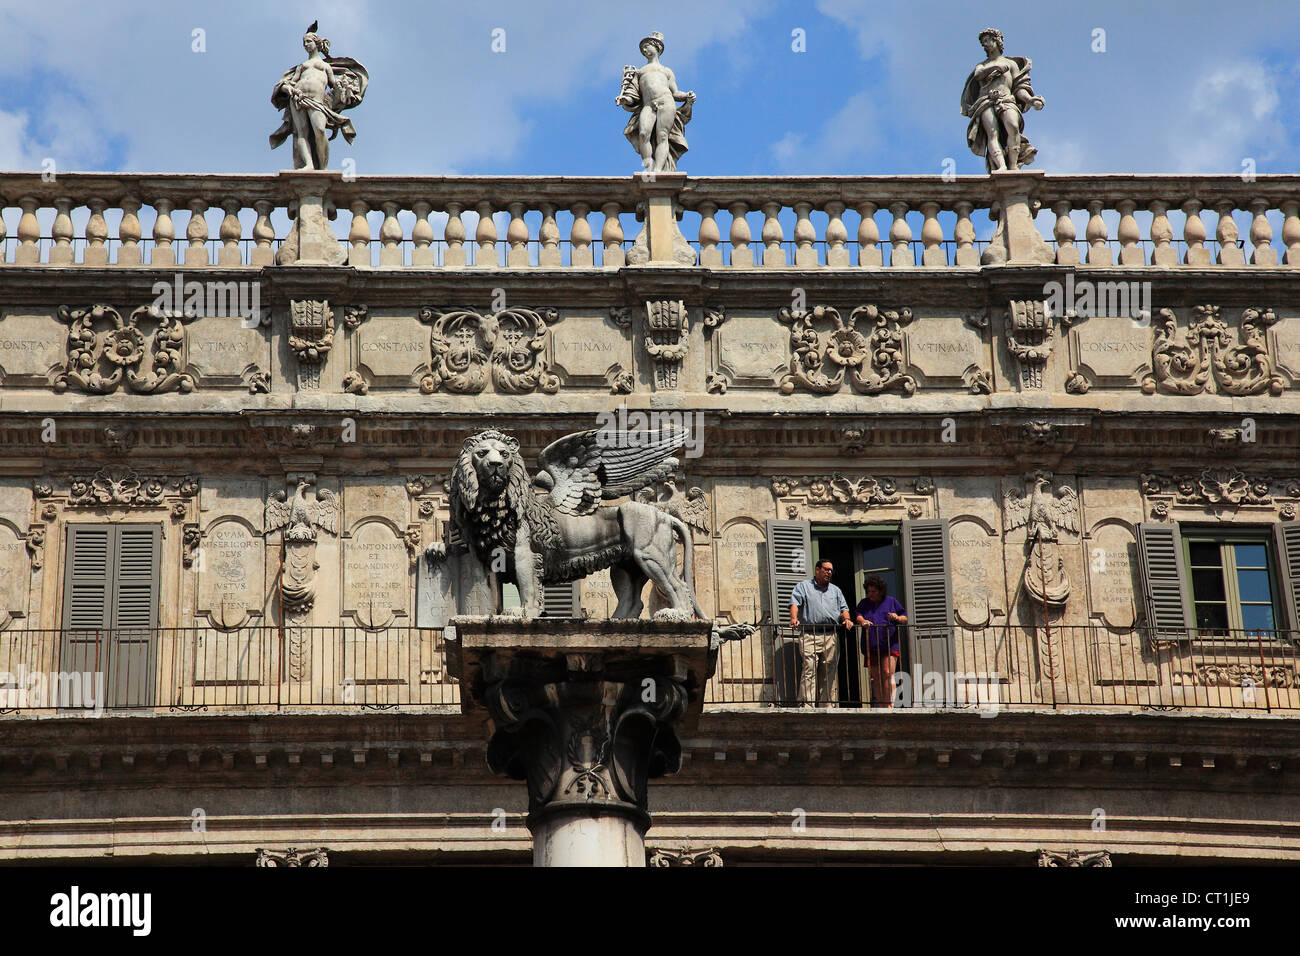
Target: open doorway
(858,551)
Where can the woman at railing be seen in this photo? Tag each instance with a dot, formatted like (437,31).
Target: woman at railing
(879,615)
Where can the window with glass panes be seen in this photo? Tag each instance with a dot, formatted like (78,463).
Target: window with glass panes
(1233,585)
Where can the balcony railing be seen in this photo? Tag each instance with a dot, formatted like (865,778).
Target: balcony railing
(268,669)
(1060,667)
(733,222)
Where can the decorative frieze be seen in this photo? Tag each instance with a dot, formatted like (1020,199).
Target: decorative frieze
(120,486)
(683,856)
(839,490)
(146,351)
(292,857)
(873,361)
(1051,858)
(1208,358)
(1240,674)
(1220,487)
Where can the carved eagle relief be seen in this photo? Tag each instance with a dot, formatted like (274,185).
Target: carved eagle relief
(1042,512)
(300,515)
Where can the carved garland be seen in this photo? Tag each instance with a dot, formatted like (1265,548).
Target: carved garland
(840,491)
(124,487)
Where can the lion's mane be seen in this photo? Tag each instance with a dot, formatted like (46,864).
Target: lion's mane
(486,524)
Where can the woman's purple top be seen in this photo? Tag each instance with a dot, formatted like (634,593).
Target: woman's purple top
(880,630)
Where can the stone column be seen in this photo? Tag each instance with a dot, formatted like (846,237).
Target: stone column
(586,712)
(1017,240)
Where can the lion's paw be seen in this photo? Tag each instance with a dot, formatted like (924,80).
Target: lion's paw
(672,614)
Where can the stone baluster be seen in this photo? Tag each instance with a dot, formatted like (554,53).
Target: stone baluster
(837,237)
(1261,235)
(29,234)
(423,255)
(1162,235)
(805,237)
(359,236)
(773,254)
(548,237)
(580,254)
(964,234)
(128,231)
(1067,253)
(230,232)
(1098,248)
(710,254)
(1291,233)
(611,237)
(96,251)
(263,234)
(1194,235)
(390,238)
(1227,234)
(61,253)
(196,234)
(1130,253)
(164,235)
(900,237)
(741,257)
(486,237)
(517,237)
(869,252)
(933,255)
(454,234)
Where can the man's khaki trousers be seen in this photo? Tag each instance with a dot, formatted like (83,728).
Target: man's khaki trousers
(819,654)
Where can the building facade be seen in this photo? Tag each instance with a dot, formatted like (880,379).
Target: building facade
(1075,461)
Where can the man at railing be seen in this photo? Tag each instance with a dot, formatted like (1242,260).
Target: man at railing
(879,614)
(816,607)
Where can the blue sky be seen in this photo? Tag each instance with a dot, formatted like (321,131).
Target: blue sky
(1181,87)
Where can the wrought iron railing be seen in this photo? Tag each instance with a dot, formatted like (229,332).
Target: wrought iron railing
(268,669)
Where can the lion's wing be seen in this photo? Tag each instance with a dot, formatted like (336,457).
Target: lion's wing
(587,466)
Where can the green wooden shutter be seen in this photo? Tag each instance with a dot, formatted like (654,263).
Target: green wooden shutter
(135,615)
(110,608)
(87,604)
(929,599)
(789,561)
(1164,576)
(562,600)
(1288,558)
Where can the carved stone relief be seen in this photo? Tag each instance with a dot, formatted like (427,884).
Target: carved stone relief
(1219,489)
(311,335)
(232,576)
(1209,358)
(121,486)
(146,351)
(376,573)
(32,349)
(1031,334)
(1107,352)
(300,519)
(667,338)
(510,346)
(821,358)
(950,350)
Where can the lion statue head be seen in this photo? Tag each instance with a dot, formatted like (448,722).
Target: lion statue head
(489,492)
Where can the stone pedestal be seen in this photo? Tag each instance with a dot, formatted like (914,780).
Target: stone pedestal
(311,241)
(1017,241)
(586,712)
(661,241)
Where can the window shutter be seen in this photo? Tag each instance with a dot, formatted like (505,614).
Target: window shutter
(929,597)
(136,581)
(1160,556)
(86,605)
(789,561)
(1288,558)
(562,600)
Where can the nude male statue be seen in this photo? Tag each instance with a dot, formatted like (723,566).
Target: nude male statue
(657,128)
